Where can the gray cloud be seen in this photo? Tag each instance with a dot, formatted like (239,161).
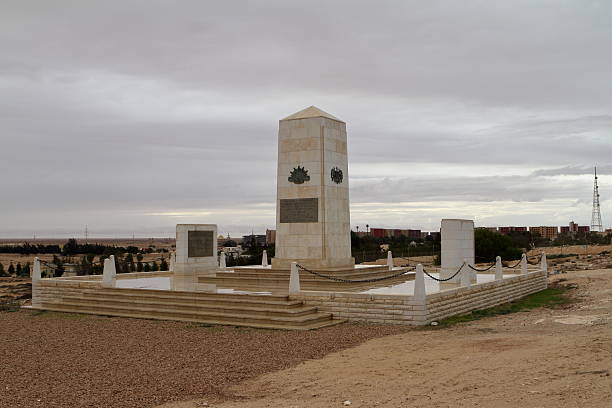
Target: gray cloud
(110,111)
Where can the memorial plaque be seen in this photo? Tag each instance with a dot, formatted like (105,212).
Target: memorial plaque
(200,244)
(299,210)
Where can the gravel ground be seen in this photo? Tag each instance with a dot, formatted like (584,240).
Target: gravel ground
(542,358)
(68,360)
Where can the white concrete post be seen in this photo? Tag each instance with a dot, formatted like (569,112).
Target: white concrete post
(389,260)
(524,264)
(473,273)
(172,261)
(294,279)
(36,276)
(544,263)
(466,275)
(222,264)
(113,267)
(499,273)
(107,274)
(36,271)
(264,259)
(419,283)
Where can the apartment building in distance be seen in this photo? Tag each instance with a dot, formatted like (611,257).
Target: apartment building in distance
(395,233)
(545,232)
(507,230)
(572,228)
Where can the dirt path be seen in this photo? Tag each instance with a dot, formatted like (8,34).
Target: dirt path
(541,358)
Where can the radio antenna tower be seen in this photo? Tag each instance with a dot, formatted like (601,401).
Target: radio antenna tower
(596,216)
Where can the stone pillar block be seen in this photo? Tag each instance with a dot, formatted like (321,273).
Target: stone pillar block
(312,203)
(196,254)
(264,259)
(457,246)
(419,284)
(109,272)
(36,277)
(222,263)
(544,262)
(524,264)
(389,260)
(294,279)
(499,272)
(465,276)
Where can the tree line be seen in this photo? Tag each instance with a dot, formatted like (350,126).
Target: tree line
(15,270)
(72,247)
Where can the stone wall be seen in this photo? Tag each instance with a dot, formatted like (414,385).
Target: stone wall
(373,308)
(399,309)
(463,300)
(392,309)
(52,290)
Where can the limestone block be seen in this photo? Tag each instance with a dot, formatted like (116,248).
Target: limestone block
(389,260)
(294,279)
(264,258)
(419,284)
(107,273)
(457,245)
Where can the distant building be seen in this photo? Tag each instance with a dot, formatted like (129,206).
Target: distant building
(573,228)
(507,230)
(545,232)
(270,236)
(233,251)
(492,229)
(395,233)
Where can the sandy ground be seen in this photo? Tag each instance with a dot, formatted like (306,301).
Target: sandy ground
(541,358)
(64,360)
(573,249)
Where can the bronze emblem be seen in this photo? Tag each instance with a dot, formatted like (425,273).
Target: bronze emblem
(336,175)
(298,175)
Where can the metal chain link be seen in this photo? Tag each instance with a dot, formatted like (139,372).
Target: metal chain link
(481,270)
(447,279)
(535,256)
(517,264)
(334,278)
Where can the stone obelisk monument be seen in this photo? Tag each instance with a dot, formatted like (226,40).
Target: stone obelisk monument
(312,204)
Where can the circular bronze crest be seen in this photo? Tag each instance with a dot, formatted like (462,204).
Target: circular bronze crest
(336,175)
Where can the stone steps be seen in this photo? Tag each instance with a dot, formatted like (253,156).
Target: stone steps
(251,300)
(355,273)
(310,282)
(274,310)
(261,311)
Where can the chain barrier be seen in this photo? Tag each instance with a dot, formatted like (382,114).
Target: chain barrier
(334,278)
(515,266)
(447,279)
(481,270)
(536,262)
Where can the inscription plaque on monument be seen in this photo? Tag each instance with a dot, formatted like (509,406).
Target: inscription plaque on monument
(199,244)
(299,210)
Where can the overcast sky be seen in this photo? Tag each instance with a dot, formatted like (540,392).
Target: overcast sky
(132,116)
